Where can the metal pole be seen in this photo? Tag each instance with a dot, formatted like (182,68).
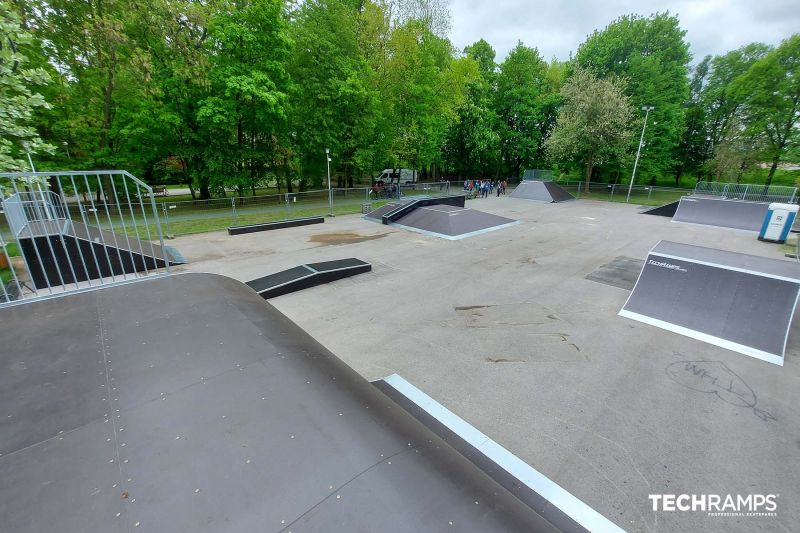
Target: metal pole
(647,110)
(330,192)
(30,161)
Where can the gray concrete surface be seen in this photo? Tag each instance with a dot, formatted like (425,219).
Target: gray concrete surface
(505,331)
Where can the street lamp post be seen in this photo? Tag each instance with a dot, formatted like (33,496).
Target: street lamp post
(330,191)
(646,110)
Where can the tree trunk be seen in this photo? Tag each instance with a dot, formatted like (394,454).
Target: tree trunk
(205,194)
(589,168)
(108,91)
(772,170)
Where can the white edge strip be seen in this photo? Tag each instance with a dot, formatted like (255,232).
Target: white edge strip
(705,337)
(456,237)
(536,481)
(726,267)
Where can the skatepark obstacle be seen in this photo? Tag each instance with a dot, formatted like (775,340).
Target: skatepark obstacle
(740,302)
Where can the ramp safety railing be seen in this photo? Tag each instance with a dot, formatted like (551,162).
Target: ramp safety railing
(751,192)
(76,230)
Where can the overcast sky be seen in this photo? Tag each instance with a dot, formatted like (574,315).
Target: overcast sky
(557,27)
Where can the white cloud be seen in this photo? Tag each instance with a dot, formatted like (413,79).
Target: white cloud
(556,28)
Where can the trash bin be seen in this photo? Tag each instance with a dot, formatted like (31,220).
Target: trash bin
(777,222)
(366,208)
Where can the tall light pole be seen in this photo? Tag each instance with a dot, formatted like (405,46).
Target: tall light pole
(330,192)
(646,110)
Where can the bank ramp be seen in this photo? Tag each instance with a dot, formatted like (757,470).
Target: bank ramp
(720,212)
(741,302)
(188,403)
(64,251)
(444,217)
(541,191)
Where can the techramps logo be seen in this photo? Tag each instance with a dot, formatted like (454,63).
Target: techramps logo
(664,264)
(735,505)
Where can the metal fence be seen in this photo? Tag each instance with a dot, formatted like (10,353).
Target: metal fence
(618,192)
(194,216)
(747,191)
(539,174)
(76,230)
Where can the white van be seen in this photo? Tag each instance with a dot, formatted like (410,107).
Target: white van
(395,175)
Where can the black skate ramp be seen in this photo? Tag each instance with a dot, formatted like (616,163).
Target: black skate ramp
(307,276)
(741,302)
(188,403)
(377,214)
(62,252)
(666,210)
(711,211)
(453,223)
(541,191)
(402,210)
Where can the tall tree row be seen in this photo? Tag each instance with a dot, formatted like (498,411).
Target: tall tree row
(232,95)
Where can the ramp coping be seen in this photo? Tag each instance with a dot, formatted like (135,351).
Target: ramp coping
(771,268)
(573,507)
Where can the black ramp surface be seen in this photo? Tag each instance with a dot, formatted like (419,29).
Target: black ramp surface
(557,192)
(541,191)
(740,302)
(187,403)
(403,210)
(61,252)
(734,214)
(279,278)
(666,210)
(307,276)
(449,221)
(377,214)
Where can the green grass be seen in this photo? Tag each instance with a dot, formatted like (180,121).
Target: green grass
(638,198)
(202,224)
(5,273)
(12,250)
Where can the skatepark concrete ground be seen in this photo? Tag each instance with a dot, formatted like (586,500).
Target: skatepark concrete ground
(505,331)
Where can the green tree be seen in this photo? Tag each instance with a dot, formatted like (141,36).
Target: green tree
(484,55)
(520,101)
(249,46)
(593,125)
(720,101)
(651,54)
(770,92)
(426,86)
(335,99)
(18,99)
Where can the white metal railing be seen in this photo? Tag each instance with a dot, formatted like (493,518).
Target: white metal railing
(77,230)
(751,192)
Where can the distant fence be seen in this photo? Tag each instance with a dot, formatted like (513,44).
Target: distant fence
(618,192)
(752,192)
(539,174)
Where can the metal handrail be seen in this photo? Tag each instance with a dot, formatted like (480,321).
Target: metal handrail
(71,241)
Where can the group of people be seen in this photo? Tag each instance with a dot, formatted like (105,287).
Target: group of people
(484,188)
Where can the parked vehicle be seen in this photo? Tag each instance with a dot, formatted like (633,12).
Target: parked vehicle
(398,175)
